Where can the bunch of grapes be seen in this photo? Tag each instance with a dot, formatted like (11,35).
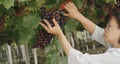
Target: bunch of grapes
(90,2)
(114,9)
(18,8)
(2,21)
(118,3)
(45,38)
(54,13)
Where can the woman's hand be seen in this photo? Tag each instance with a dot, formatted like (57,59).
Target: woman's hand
(72,11)
(56,30)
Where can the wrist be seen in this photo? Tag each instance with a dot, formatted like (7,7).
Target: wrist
(78,16)
(59,34)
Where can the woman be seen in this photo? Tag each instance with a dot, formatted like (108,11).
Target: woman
(109,37)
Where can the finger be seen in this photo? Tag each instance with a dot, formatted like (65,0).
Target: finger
(55,22)
(44,26)
(66,8)
(48,24)
(65,14)
(70,3)
(67,5)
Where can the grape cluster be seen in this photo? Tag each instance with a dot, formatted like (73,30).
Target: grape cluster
(45,38)
(19,9)
(90,2)
(2,21)
(118,3)
(54,13)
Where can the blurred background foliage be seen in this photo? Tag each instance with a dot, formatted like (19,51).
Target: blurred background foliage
(19,21)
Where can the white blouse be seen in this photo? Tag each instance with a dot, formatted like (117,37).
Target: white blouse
(111,56)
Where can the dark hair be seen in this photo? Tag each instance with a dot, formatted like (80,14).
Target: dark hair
(117,17)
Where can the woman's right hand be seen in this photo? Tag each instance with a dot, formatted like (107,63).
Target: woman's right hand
(74,13)
(72,10)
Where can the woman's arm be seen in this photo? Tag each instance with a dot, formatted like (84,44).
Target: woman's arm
(56,30)
(74,13)
(97,32)
(65,44)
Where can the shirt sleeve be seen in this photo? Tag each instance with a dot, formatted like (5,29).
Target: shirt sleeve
(76,57)
(98,36)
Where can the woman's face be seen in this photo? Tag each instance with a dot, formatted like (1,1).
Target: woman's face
(112,31)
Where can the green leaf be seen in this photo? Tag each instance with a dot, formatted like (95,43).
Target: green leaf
(78,3)
(7,3)
(31,22)
(2,1)
(25,35)
(40,2)
(99,2)
(22,0)
(71,25)
(2,10)
(110,1)
(26,28)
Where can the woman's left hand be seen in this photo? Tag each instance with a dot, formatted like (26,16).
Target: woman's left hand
(56,30)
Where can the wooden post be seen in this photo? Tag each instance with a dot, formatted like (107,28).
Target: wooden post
(35,55)
(22,47)
(9,54)
(27,54)
(76,42)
